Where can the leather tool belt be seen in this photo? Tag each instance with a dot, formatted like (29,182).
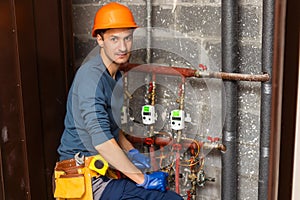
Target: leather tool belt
(72,181)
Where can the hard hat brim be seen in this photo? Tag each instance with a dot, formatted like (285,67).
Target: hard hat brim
(115,27)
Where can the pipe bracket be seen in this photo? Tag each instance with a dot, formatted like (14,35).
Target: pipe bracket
(265,152)
(229,136)
(266,88)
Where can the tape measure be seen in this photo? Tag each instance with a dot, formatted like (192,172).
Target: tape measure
(99,165)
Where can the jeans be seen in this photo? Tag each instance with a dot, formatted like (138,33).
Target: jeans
(123,189)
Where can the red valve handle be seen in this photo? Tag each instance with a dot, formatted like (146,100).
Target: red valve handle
(203,67)
(211,139)
(149,141)
(150,87)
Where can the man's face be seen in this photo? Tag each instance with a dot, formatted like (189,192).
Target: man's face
(116,45)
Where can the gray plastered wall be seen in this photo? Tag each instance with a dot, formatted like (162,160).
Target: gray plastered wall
(199,25)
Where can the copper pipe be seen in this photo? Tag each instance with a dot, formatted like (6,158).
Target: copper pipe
(276,110)
(187,72)
(153,92)
(234,76)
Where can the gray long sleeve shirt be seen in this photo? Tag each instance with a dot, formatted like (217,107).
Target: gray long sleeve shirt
(94,108)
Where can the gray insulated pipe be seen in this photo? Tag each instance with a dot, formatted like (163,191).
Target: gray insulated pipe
(148,34)
(266,96)
(229,102)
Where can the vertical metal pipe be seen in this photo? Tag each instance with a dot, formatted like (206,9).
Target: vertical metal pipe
(229,64)
(148,33)
(277,88)
(266,96)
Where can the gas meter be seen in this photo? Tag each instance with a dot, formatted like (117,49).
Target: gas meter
(148,114)
(177,119)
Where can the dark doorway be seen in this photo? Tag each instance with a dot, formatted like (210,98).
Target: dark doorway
(36,70)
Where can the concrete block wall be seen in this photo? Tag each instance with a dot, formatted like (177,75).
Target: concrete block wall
(188,32)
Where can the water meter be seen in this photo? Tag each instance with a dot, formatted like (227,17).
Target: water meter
(177,119)
(148,114)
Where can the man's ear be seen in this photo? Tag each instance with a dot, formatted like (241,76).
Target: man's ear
(100,40)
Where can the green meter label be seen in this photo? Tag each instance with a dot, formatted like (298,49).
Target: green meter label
(146,109)
(176,113)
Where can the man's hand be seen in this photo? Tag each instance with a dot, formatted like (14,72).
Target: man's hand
(155,181)
(139,160)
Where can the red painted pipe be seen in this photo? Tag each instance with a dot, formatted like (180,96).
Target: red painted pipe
(175,71)
(177,172)
(153,159)
(187,72)
(177,147)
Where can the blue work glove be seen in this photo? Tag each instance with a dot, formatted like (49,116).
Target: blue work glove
(155,181)
(139,160)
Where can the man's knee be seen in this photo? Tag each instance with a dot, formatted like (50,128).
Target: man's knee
(172,195)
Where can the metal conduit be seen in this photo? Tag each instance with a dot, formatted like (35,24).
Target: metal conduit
(266,96)
(229,64)
(148,33)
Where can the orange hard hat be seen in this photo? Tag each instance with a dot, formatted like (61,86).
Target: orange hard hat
(113,15)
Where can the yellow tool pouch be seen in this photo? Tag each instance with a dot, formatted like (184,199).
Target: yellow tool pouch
(73,182)
(69,186)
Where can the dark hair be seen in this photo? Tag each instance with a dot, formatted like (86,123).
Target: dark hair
(101,32)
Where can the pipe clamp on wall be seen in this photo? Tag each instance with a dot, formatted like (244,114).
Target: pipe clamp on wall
(267,88)
(229,136)
(265,152)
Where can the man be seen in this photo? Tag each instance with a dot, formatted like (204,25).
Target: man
(93,114)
